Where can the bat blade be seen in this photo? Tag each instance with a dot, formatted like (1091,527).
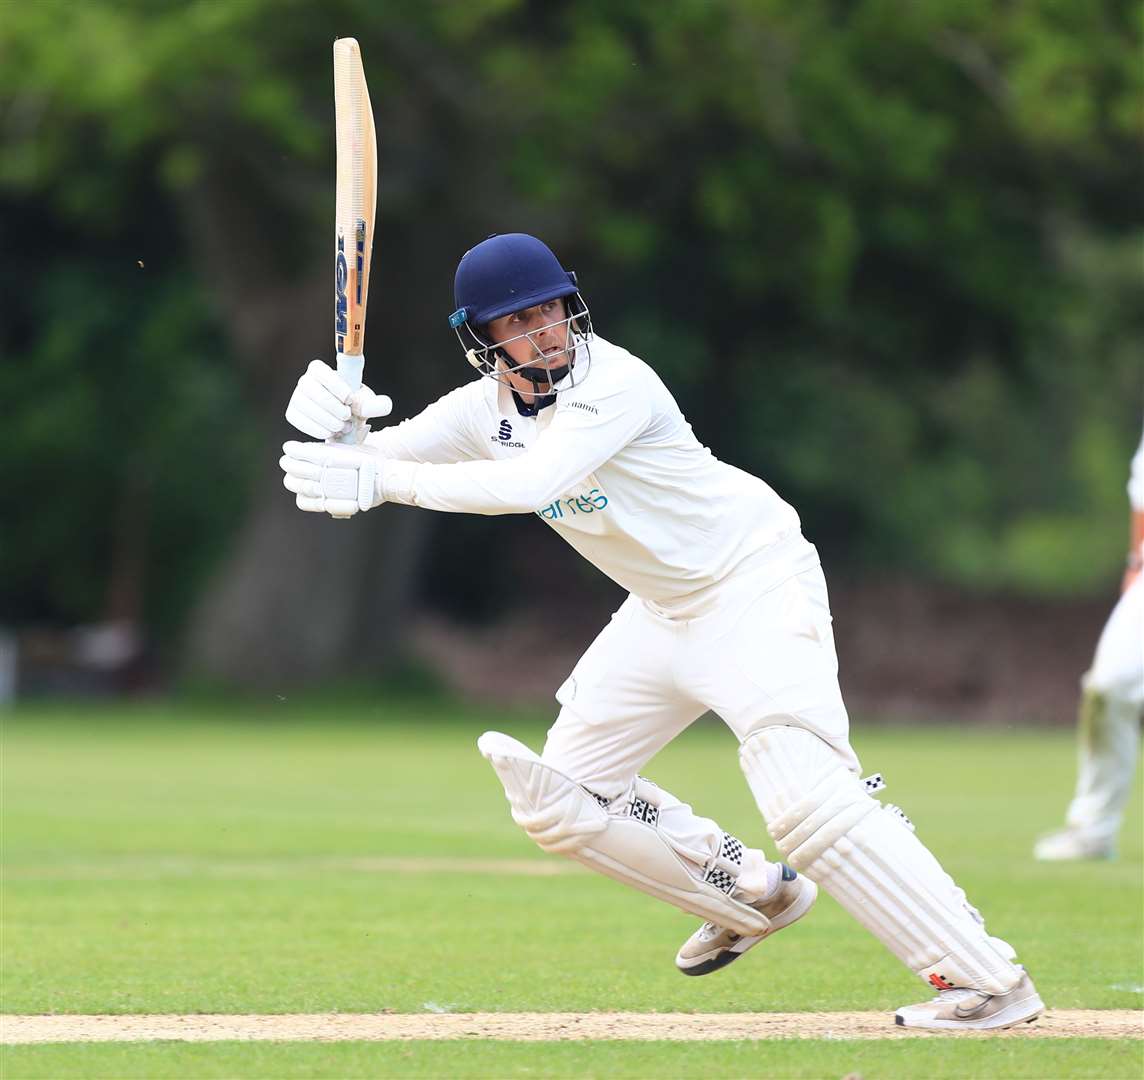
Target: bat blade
(356,206)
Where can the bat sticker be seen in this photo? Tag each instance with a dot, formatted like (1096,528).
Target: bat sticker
(341,275)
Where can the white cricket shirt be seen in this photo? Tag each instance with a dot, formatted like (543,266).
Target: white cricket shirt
(1136,478)
(613,467)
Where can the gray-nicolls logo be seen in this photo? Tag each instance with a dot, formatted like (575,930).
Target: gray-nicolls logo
(582,405)
(505,432)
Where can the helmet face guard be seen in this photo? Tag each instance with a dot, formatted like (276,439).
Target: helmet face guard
(493,361)
(510,273)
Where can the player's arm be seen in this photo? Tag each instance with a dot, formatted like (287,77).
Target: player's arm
(440,433)
(575,444)
(1135,561)
(1136,538)
(578,441)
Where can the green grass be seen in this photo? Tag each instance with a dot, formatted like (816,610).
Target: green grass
(182,859)
(932,1059)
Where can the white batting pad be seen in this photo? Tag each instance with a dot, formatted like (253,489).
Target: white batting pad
(869,860)
(554,810)
(562,817)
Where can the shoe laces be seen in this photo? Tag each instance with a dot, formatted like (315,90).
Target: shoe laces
(711,930)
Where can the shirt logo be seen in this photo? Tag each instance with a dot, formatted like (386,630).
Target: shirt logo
(587,503)
(503,437)
(587,408)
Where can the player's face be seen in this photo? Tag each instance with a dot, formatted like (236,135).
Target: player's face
(546,328)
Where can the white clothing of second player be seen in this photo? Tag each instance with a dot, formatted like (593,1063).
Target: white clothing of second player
(1112,701)
(1108,745)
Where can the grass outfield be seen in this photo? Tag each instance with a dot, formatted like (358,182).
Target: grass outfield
(694,1061)
(360,859)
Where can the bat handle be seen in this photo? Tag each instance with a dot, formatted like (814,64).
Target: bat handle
(350,370)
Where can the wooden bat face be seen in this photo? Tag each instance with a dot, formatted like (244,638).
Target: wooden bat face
(356,197)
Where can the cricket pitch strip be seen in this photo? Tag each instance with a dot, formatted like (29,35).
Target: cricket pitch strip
(536,1027)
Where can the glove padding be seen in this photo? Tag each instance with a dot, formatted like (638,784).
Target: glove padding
(330,478)
(323,405)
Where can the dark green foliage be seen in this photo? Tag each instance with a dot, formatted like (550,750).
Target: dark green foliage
(888,254)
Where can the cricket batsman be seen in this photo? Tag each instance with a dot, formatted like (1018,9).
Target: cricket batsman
(1111,701)
(727,610)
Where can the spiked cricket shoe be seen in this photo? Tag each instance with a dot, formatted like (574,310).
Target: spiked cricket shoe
(1069,844)
(712,947)
(962,1009)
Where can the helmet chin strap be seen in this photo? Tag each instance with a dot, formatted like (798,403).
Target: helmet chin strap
(540,375)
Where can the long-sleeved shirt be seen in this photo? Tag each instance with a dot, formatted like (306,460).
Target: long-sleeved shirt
(1136,478)
(613,466)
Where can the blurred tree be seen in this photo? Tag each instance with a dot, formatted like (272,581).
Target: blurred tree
(200,138)
(886,252)
(872,224)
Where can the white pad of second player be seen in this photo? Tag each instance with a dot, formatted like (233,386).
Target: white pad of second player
(562,817)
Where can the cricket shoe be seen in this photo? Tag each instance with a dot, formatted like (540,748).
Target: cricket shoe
(1069,844)
(712,947)
(962,1009)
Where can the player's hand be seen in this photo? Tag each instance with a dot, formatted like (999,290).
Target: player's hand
(322,405)
(331,478)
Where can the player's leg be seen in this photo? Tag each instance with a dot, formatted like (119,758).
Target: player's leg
(778,691)
(583,797)
(1108,737)
(866,855)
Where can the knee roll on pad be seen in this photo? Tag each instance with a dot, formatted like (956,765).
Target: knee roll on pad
(554,810)
(869,860)
(563,817)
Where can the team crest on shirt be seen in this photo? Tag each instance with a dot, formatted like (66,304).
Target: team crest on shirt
(503,437)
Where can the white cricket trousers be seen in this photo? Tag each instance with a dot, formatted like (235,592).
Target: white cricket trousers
(761,652)
(1108,735)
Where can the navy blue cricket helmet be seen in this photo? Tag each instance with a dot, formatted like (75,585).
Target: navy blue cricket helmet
(508,273)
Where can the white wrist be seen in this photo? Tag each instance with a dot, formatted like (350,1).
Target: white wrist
(395,482)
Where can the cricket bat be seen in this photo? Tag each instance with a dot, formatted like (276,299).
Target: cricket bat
(355,209)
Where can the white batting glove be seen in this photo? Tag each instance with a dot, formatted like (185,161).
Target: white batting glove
(331,478)
(322,405)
